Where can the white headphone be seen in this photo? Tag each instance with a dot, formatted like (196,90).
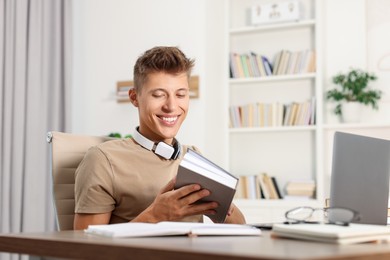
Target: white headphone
(162,149)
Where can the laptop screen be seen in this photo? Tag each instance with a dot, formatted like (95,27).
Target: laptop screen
(360,176)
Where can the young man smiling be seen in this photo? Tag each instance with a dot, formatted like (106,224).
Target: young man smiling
(133,179)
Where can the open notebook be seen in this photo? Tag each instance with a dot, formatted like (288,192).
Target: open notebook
(172,229)
(354,233)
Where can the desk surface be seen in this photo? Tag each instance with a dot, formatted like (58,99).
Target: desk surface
(76,244)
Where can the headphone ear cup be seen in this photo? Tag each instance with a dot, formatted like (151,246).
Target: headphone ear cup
(177,150)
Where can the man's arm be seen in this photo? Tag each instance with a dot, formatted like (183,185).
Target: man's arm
(81,221)
(169,205)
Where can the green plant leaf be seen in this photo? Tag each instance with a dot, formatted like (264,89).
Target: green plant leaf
(353,86)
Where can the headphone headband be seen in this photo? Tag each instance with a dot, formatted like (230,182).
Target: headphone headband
(162,149)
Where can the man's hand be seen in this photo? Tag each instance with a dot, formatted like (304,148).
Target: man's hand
(172,205)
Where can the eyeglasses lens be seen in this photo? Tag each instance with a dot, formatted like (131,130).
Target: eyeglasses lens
(339,215)
(306,214)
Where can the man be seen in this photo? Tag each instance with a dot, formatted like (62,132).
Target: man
(133,179)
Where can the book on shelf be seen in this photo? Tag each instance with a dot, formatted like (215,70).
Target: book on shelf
(131,229)
(272,114)
(270,184)
(277,189)
(259,186)
(301,188)
(267,65)
(251,64)
(247,188)
(245,65)
(277,61)
(335,234)
(196,169)
(263,186)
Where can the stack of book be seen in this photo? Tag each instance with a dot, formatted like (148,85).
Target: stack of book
(288,62)
(273,114)
(260,186)
(251,64)
(300,188)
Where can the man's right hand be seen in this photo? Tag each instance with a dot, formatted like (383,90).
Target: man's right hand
(172,205)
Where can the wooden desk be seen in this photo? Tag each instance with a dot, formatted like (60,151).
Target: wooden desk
(76,244)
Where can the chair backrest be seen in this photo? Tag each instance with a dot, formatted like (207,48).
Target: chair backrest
(67,151)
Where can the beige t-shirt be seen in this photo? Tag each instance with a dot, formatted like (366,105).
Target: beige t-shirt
(124,178)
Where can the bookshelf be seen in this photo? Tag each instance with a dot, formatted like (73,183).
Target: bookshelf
(286,152)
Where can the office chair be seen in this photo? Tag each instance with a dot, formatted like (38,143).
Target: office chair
(66,152)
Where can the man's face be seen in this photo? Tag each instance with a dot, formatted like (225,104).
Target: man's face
(162,105)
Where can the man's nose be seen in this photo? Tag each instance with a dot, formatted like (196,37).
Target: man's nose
(170,103)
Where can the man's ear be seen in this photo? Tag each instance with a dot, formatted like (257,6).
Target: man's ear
(133,97)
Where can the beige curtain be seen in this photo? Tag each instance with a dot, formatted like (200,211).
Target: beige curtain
(35,59)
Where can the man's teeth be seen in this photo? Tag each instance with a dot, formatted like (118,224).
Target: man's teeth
(169,119)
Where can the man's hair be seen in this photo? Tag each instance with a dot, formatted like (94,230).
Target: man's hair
(170,60)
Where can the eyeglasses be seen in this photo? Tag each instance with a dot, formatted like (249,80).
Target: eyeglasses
(335,216)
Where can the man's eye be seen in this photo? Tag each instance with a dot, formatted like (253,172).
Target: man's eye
(158,94)
(182,94)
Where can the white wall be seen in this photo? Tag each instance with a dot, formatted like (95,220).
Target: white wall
(355,37)
(344,41)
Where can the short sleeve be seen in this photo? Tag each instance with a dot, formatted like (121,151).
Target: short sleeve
(94,192)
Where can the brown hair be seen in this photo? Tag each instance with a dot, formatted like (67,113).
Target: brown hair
(161,59)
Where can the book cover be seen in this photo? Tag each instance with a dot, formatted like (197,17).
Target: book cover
(270,186)
(277,189)
(260,64)
(354,233)
(245,65)
(267,65)
(194,168)
(265,193)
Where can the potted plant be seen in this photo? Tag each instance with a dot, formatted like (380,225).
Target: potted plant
(351,92)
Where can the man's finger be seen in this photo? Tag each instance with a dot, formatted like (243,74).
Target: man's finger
(169,186)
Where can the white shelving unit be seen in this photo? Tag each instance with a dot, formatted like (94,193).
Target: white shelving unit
(286,152)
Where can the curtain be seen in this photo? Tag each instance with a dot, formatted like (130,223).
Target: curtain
(35,83)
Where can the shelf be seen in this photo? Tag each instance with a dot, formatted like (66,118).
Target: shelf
(271,129)
(298,147)
(279,26)
(273,78)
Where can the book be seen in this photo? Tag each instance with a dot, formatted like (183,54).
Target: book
(132,229)
(354,233)
(277,189)
(301,188)
(267,65)
(263,187)
(270,186)
(196,169)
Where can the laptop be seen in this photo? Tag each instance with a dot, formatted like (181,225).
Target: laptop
(360,176)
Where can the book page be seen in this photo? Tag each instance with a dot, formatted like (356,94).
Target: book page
(170,228)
